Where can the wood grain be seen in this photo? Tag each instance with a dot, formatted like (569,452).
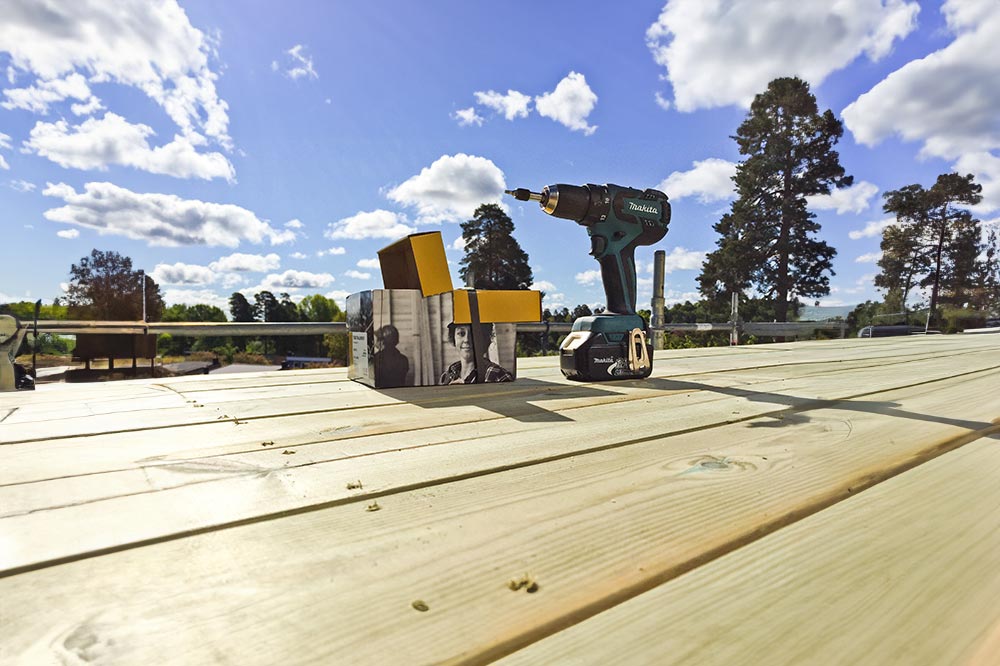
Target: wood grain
(335,582)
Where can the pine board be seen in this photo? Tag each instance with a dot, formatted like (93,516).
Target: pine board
(194,544)
(906,573)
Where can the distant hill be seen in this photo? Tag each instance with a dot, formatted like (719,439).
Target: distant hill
(819,313)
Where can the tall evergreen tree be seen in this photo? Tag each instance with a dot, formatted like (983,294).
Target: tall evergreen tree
(767,240)
(946,235)
(902,263)
(240,309)
(493,256)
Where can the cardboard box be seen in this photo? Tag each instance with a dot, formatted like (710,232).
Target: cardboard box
(401,338)
(419,331)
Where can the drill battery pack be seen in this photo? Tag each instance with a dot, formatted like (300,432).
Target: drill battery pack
(607,347)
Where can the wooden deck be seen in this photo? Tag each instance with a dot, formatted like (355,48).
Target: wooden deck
(817,502)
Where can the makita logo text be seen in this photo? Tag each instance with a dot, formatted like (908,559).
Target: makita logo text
(632,206)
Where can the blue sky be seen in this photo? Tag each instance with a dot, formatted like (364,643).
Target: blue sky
(257,145)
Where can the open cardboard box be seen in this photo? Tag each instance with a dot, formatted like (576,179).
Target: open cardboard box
(419,331)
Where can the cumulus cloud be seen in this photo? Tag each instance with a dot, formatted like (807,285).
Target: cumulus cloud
(68,233)
(332,251)
(853,199)
(373,224)
(181,273)
(3,163)
(294,224)
(22,186)
(98,143)
(4,145)
(458,244)
(709,180)
(682,259)
(299,255)
(544,285)
(292,279)
(369,263)
(451,188)
(570,103)
(466,117)
(947,100)
(195,297)
(167,59)
(37,98)
(872,229)
(246,263)
(512,105)
(299,64)
(159,219)
(870,258)
(357,275)
(588,278)
(339,296)
(722,53)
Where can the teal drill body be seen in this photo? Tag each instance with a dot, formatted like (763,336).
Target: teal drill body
(618,220)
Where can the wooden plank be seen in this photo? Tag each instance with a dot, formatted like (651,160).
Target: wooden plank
(219,434)
(903,573)
(155,485)
(337,582)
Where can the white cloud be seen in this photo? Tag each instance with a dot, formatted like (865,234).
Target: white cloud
(97,143)
(986,168)
(570,103)
(3,163)
(357,275)
(167,58)
(159,219)
(554,301)
(4,145)
(294,224)
(339,296)
(853,199)
(466,117)
(451,188)
(672,296)
(870,258)
(299,255)
(512,105)
(37,98)
(681,259)
(246,263)
(662,101)
(68,233)
(369,263)
(872,229)
(332,251)
(291,279)
(947,100)
(544,285)
(710,180)
(588,278)
(458,244)
(194,297)
(181,273)
(301,65)
(374,224)
(722,53)
(22,186)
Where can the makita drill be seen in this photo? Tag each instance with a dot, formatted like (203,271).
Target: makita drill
(613,345)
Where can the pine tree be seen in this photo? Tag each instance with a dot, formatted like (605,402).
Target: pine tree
(946,236)
(493,257)
(767,240)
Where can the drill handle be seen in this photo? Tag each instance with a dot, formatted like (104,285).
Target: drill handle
(618,275)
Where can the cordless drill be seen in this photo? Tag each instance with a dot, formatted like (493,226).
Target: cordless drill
(615,344)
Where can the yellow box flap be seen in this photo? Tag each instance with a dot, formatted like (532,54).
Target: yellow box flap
(416,262)
(500,306)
